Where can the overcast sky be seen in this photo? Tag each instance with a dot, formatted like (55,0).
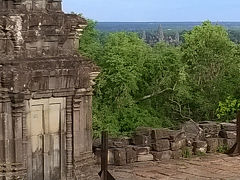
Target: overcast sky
(155,10)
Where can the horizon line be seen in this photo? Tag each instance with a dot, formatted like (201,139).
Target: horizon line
(166,21)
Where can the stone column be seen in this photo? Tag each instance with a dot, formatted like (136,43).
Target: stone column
(19,156)
(6,135)
(69,139)
(82,133)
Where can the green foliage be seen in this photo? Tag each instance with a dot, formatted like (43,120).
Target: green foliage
(186,153)
(223,149)
(199,153)
(209,56)
(122,63)
(228,108)
(162,85)
(90,45)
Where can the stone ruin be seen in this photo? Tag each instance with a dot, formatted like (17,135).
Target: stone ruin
(162,144)
(46,93)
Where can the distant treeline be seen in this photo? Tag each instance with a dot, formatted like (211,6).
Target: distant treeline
(170,32)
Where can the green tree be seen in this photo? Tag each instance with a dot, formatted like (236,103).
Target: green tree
(210,61)
(163,84)
(122,62)
(90,45)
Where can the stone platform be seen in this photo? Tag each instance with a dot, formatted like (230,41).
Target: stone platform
(209,167)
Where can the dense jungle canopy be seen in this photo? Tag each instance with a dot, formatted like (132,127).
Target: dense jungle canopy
(163,85)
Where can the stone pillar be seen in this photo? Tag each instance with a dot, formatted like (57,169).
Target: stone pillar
(6,135)
(19,156)
(11,134)
(69,139)
(82,134)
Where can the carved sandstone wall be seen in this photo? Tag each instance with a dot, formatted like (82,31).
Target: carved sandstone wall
(46,93)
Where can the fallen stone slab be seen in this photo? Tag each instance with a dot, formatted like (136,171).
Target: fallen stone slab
(144,158)
(199,147)
(146,131)
(141,140)
(141,150)
(228,126)
(229,142)
(164,133)
(176,145)
(177,135)
(161,156)
(120,156)
(210,128)
(177,154)
(233,121)
(97,156)
(161,145)
(228,134)
(192,130)
(212,145)
(131,155)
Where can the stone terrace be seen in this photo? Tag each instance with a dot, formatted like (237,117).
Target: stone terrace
(210,167)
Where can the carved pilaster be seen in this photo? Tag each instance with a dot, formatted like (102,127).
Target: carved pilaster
(19,154)
(69,139)
(82,132)
(5,120)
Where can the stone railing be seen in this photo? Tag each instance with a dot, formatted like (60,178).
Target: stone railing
(149,144)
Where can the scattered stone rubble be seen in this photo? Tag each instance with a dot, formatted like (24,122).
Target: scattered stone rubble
(162,144)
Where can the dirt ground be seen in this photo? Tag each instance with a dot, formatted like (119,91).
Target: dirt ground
(210,167)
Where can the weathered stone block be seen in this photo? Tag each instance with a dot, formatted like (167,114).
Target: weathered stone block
(141,140)
(111,159)
(131,155)
(210,129)
(97,156)
(177,154)
(229,143)
(177,135)
(221,141)
(167,134)
(189,142)
(97,143)
(199,144)
(143,131)
(120,156)
(199,147)
(192,130)
(178,144)
(118,142)
(141,150)
(144,158)
(161,156)
(212,145)
(228,126)
(234,121)
(228,134)
(161,134)
(161,145)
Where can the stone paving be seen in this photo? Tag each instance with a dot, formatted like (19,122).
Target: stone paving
(209,167)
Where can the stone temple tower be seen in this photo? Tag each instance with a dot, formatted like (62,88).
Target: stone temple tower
(45,93)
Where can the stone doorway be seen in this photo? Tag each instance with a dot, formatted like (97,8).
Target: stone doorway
(46,138)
